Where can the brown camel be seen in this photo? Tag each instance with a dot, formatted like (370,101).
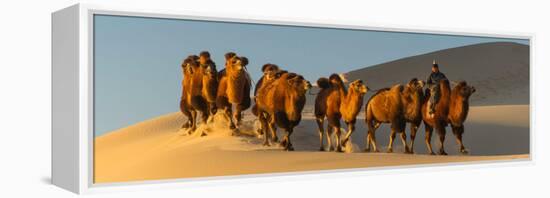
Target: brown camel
(192,100)
(386,106)
(209,82)
(413,100)
(283,101)
(452,108)
(270,73)
(234,89)
(185,107)
(334,102)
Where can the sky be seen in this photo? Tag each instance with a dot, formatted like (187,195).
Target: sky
(137,73)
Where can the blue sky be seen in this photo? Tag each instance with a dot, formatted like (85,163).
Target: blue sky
(137,60)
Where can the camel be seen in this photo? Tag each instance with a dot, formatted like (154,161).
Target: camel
(388,105)
(413,100)
(187,72)
(234,90)
(270,73)
(209,82)
(452,108)
(283,101)
(192,101)
(335,102)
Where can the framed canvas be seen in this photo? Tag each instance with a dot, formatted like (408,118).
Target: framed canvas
(147,99)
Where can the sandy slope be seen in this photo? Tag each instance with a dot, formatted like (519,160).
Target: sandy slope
(499,71)
(157,149)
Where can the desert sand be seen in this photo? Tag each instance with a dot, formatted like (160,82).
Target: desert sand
(157,149)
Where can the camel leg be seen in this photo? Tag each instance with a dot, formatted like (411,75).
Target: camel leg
(320,125)
(189,116)
(289,146)
(428,138)
(338,133)
(228,115)
(211,112)
(204,119)
(329,138)
(373,141)
(285,143)
(351,128)
(392,137)
(367,141)
(237,115)
(263,128)
(458,131)
(403,136)
(187,123)
(414,129)
(371,138)
(441,133)
(273,129)
(193,122)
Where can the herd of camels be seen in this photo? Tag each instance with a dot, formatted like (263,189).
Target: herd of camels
(280,96)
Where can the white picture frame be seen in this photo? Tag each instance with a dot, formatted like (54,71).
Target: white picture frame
(72,100)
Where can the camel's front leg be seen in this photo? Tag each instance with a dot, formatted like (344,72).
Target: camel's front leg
(263,128)
(286,140)
(338,143)
(441,133)
(414,129)
(351,128)
(329,138)
(371,137)
(272,129)
(458,132)
(228,113)
(428,138)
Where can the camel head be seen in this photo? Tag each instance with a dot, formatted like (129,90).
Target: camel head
(204,57)
(237,64)
(416,84)
(298,83)
(270,71)
(464,89)
(358,87)
(189,64)
(228,56)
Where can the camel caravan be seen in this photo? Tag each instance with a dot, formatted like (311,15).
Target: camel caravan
(280,96)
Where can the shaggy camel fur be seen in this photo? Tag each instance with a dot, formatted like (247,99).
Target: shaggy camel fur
(209,83)
(282,101)
(185,107)
(334,102)
(270,73)
(234,90)
(413,100)
(192,100)
(452,108)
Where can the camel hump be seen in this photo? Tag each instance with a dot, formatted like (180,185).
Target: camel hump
(380,91)
(323,83)
(336,79)
(397,88)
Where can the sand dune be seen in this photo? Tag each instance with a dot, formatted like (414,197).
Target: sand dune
(499,71)
(157,149)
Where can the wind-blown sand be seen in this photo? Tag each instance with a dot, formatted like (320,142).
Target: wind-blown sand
(157,149)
